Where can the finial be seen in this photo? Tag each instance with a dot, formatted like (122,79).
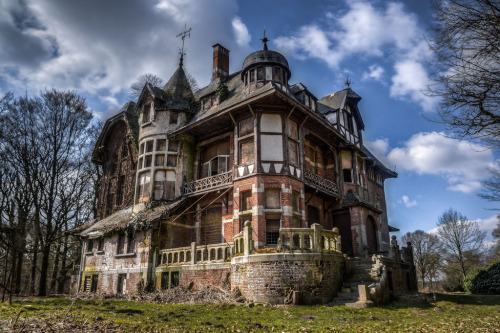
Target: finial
(264,40)
(183,35)
(347,81)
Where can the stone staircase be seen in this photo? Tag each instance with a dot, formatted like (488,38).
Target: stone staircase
(351,294)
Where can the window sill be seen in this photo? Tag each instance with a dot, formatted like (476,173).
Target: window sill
(100,252)
(124,255)
(146,124)
(89,253)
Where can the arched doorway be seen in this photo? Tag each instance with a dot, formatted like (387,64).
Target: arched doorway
(371,235)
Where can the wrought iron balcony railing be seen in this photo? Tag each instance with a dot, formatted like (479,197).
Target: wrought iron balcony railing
(321,183)
(208,183)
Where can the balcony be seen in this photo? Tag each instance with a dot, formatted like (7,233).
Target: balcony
(320,183)
(207,184)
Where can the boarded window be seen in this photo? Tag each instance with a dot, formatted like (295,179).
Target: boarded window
(86,284)
(271,123)
(292,129)
(173,117)
(149,146)
(172,160)
(293,152)
(164,185)
(273,198)
(173,145)
(347,175)
(271,147)
(93,287)
(159,159)
(269,73)
(211,225)
(246,200)
(246,152)
(246,127)
(120,189)
(272,231)
(161,144)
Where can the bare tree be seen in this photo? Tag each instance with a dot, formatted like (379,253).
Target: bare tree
(461,239)
(426,253)
(138,85)
(466,44)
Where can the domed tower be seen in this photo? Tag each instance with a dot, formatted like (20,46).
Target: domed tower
(161,111)
(265,66)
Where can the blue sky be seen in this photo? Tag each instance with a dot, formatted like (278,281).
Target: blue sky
(97,48)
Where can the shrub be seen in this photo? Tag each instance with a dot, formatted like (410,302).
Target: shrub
(484,280)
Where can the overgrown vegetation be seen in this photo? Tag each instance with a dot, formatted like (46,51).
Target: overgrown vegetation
(454,313)
(484,280)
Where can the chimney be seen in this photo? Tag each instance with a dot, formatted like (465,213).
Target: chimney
(221,62)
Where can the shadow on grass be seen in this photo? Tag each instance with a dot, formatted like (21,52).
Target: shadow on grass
(469,299)
(129,311)
(428,300)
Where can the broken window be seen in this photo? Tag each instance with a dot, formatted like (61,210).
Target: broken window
(246,151)
(161,144)
(146,113)
(139,164)
(246,200)
(93,287)
(173,145)
(252,75)
(164,188)
(100,244)
(147,161)
(120,189)
(272,230)
(273,198)
(149,146)
(173,117)
(130,244)
(90,245)
(174,279)
(260,73)
(159,159)
(347,175)
(246,127)
(120,247)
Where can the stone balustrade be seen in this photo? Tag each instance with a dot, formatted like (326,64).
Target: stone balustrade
(314,239)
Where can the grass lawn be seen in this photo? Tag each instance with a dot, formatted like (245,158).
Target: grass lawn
(446,313)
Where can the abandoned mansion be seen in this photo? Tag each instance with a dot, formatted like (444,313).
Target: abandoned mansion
(249,183)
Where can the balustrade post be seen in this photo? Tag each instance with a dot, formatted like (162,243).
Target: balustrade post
(247,238)
(301,241)
(317,228)
(193,253)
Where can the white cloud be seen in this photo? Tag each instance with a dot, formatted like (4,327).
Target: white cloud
(95,47)
(379,148)
(405,200)
(241,32)
(463,164)
(409,80)
(375,72)
(387,32)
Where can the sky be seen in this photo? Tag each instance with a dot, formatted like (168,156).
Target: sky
(98,48)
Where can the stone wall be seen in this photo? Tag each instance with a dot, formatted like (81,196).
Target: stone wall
(271,278)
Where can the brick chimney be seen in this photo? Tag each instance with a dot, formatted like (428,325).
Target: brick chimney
(221,62)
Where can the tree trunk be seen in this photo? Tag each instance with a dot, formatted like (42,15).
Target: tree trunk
(19,271)
(64,269)
(33,268)
(55,271)
(42,286)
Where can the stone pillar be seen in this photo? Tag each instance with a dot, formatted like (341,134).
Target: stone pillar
(247,238)
(193,253)
(317,241)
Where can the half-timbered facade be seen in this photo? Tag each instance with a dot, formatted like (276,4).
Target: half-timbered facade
(231,175)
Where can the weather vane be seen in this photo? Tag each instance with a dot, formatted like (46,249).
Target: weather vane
(264,40)
(347,81)
(183,35)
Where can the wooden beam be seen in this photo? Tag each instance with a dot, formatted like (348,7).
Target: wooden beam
(251,110)
(291,111)
(232,118)
(188,208)
(302,124)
